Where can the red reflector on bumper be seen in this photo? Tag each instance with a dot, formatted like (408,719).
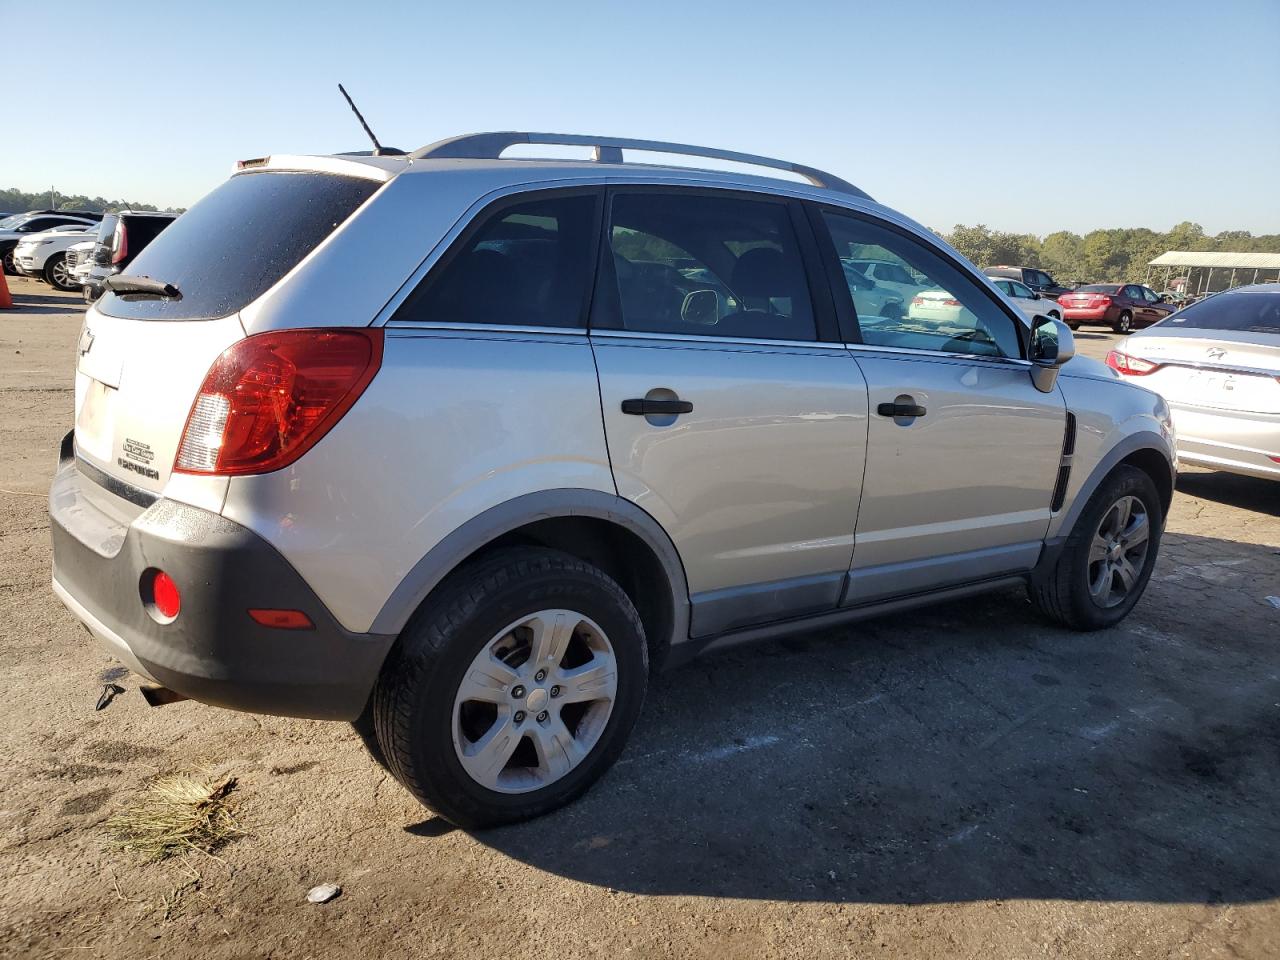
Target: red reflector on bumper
(282,619)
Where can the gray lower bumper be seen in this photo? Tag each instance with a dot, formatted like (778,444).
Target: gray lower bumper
(213,652)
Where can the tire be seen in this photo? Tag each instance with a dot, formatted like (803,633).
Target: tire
(1065,592)
(1124,324)
(55,273)
(10,268)
(476,627)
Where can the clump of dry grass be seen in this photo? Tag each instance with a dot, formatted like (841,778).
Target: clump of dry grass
(175,815)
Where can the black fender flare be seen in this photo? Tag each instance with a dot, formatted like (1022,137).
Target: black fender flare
(486,527)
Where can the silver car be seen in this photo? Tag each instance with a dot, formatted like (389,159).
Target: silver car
(1217,363)
(460,448)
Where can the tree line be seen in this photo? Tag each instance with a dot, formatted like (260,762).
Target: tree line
(1101,255)
(14,200)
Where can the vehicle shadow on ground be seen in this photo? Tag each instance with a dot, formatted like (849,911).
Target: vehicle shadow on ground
(1247,493)
(42,302)
(966,752)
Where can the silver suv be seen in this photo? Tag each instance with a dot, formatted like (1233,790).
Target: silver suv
(460,448)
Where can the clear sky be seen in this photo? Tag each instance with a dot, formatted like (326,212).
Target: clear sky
(1029,116)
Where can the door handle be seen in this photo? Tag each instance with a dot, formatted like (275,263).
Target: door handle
(902,407)
(650,408)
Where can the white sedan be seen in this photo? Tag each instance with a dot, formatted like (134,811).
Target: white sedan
(1028,301)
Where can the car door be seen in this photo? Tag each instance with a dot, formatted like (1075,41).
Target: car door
(962,450)
(1156,307)
(1137,305)
(1025,298)
(733,414)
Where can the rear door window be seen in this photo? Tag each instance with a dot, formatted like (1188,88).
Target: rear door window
(527,263)
(229,248)
(700,265)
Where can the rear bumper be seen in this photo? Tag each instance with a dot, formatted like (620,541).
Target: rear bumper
(1223,440)
(1096,315)
(213,651)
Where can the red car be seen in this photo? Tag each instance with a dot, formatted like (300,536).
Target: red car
(1120,306)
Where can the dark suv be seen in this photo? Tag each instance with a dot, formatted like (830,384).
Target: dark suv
(121,237)
(1037,280)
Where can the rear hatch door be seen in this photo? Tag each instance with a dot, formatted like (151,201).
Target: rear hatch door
(142,358)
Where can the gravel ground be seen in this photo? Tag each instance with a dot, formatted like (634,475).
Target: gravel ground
(962,782)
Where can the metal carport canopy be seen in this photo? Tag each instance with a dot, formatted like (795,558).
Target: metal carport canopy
(1238,261)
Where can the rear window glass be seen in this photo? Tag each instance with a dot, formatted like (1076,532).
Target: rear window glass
(1097,288)
(1244,312)
(235,243)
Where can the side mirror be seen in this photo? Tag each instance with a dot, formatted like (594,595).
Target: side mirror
(700,306)
(1052,345)
(1035,295)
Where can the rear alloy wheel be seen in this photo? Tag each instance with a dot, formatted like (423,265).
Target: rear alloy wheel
(1125,323)
(56,273)
(10,268)
(513,689)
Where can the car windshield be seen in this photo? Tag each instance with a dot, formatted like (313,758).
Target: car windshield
(8,223)
(1246,312)
(1098,288)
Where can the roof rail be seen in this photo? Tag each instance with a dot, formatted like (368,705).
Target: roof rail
(489,146)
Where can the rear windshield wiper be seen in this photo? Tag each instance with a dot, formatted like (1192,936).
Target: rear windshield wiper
(142,286)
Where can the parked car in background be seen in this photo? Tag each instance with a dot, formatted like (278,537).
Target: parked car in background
(1038,280)
(44,255)
(1028,301)
(80,259)
(1120,306)
(20,225)
(891,275)
(469,494)
(871,299)
(1217,363)
(121,237)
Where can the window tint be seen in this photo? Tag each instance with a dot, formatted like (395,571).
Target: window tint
(1132,292)
(1098,288)
(1151,295)
(713,266)
(1039,279)
(527,264)
(949,312)
(1005,286)
(1247,312)
(1020,291)
(240,239)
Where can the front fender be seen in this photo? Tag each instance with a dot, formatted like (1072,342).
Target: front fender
(1114,420)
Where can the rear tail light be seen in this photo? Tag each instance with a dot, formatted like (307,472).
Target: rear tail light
(1130,366)
(120,243)
(917,301)
(269,398)
(951,303)
(1101,301)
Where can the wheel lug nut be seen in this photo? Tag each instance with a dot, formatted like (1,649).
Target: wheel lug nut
(517,691)
(555,691)
(519,717)
(542,717)
(540,675)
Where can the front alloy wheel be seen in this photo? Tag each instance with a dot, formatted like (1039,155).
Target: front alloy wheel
(1118,552)
(57,274)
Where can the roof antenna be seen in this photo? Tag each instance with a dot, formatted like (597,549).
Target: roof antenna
(378,149)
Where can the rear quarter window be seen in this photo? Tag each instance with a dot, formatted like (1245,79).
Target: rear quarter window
(229,248)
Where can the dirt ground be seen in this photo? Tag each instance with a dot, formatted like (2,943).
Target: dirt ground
(962,782)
